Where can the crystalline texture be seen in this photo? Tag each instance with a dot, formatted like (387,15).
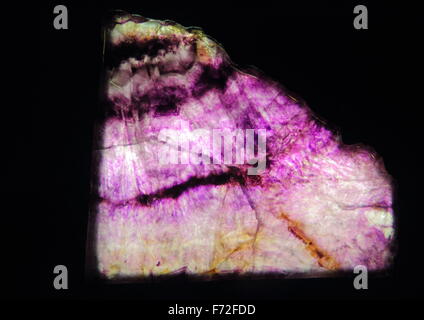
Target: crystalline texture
(319,205)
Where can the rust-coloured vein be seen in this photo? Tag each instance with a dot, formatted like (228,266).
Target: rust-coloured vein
(324,259)
(241,247)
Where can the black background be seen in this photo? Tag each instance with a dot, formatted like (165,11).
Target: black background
(358,80)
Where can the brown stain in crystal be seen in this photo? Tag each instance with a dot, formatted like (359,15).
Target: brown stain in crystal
(323,258)
(218,261)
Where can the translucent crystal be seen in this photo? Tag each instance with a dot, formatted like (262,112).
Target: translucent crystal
(315,206)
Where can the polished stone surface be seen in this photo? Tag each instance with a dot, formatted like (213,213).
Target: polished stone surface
(318,206)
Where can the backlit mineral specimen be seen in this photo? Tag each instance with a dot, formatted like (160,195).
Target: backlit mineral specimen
(206,169)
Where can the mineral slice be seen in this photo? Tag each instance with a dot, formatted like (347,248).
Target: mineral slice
(202,168)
